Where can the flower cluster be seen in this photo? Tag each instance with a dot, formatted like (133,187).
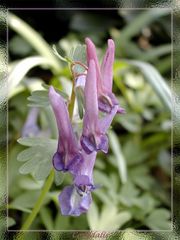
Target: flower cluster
(78,155)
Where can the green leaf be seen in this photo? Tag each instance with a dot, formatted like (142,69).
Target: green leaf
(156,81)
(140,176)
(11,222)
(25,201)
(21,69)
(93,216)
(142,20)
(164,159)
(128,193)
(59,177)
(29,183)
(133,152)
(37,158)
(78,54)
(40,98)
(131,122)
(46,217)
(121,163)
(112,220)
(159,220)
(62,222)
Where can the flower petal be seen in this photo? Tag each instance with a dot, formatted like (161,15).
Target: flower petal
(72,203)
(107,66)
(62,116)
(91,54)
(106,121)
(91,103)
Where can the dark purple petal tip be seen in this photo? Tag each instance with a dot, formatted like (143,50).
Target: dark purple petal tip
(87,145)
(58,162)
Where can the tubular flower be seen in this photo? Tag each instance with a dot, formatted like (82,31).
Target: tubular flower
(68,156)
(76,199)
(106,98)
(30,127)
(94,129)
(78,154)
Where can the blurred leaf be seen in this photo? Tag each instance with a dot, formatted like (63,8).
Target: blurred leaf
(38,157)
(47,220)
(11,222)
(101,178)
(21,69)
(146,203)
(139,175)
(143,19)
(164,159)
(19,46)
(93,216)
(134,81)
(40,98)
(159,220)
(156,81)
(128,193)
(131,122)
(121,163)
(114,221)
(156,52)
(59,177)
(28,183)
(25,201)
(133,152)
(62,222)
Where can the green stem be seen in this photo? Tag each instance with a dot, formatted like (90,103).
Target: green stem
(72,101)
(39,202)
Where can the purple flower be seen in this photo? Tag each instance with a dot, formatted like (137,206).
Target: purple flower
(94,129)
(78,155)
(30,127)
(106,98)
(72,203)
(76,199)
(68,156)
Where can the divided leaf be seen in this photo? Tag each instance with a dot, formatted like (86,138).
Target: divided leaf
(38,157)
(159,219)
(40,98)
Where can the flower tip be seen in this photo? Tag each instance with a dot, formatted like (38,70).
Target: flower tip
(51,90)
(111,43)
(87,40)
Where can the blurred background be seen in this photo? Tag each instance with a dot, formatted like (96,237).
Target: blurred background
(136,173)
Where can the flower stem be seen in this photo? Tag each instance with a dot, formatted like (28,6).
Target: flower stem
(39,202)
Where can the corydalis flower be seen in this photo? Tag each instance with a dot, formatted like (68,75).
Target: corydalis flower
(68,156)
(94,129)
(76,199)
(106,98)
(30,127)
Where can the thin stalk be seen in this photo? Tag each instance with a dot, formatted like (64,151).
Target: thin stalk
(39,202)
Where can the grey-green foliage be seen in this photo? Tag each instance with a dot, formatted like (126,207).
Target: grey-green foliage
(38,157)
(39,98)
